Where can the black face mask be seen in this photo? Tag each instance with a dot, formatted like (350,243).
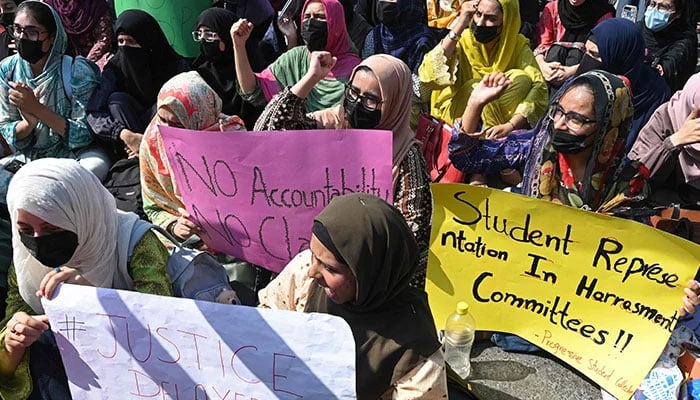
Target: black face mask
(315,34)
(6,19)
(211,50)
(30,50)
(588,63)
(484,34)
(388,13)
(566,143)
(359,116)
(53,250)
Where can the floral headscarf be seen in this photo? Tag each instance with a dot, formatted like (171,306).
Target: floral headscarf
(606,174)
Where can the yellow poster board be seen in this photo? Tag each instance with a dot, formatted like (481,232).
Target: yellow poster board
(600,293)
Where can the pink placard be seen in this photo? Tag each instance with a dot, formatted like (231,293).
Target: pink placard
(255,194)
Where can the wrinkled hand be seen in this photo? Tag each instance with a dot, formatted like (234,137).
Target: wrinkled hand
(23,330)
(491,87)
(690,130)
(322,62)
(691,299)
(550,70)
(498,131)
(184,228)
(240,32)
(132,141)
(24,98)
(60,275)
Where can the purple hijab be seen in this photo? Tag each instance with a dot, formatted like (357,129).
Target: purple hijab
(78,16)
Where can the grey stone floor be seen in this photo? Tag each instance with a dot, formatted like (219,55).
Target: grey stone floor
(497,375)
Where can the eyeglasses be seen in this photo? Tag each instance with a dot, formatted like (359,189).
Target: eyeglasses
(29,32)
(661,6)
(369,101)
(573,120)
(207,36)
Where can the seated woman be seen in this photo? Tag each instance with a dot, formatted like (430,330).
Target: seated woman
(378,97)
(66,228)
(323,28)
(669,145)
(7,18)
(616,45)
(487,43)
(88,24)
(575,154)
(185,101)
(42,111)
(671,40)
(361,258)
(563,29)
(124,102)
(216,62)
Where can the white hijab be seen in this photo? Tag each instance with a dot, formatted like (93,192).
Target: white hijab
(64,194)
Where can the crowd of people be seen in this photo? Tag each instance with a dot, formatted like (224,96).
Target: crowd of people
(560,100)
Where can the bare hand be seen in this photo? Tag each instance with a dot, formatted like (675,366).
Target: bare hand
(322,62)
(690,130)
(498,131)
(23,330)
(660,69)
(691,300)
(240,32)
(132,141)
(549,70)
(184,228)
(466,12)
(288,27)
(491,87)
(60,275)
(24,98)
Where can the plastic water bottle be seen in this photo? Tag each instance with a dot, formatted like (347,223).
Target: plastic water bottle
(459,337)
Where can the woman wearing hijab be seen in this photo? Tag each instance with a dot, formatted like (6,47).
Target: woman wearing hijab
(88,24)
(671,40)
(378,96)
(669,145)
(216,62)
(487,43)
(401,33)
(42,109)
(323,28)
(66,228)
(616,45)
(361,258)
(574,156)
(185,101)
(563,29)
(124,103)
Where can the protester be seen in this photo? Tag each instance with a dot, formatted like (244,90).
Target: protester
(563,29)
(358,27)
(671,40)
(42,111)
(616,45)
(377,97)
(124,102)
(487,43)
(88,24)
(66,229)
(323,28)
(185,101)
(215,62)
(669,145)
(362,256)
(7,17)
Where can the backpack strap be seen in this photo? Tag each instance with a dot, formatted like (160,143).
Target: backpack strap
(140,228)
(67,74)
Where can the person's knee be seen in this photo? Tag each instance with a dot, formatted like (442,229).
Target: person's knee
(521,83)
(96,161)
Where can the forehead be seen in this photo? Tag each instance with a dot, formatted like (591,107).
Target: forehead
(490,7)
(25,18)
(315,8)
(366,81)
(321,252)
(579,100)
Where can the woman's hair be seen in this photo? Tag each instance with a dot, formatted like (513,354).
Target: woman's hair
(584,83)
(41,13)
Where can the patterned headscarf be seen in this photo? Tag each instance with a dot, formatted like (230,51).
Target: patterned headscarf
(196,106)
(550,178)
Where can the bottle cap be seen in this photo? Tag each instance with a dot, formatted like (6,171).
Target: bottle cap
(462,308)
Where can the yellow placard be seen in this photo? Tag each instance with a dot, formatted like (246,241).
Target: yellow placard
(600,293)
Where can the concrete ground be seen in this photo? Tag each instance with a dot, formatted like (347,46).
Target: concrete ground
(498,375)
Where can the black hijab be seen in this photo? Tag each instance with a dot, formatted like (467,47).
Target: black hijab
(674,48)
(391,321)
(143,70)
(579,20)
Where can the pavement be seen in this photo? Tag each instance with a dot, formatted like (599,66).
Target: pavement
(498,375)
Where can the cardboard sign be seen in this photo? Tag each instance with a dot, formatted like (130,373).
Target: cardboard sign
(255,194)
(119,344)
(600,293)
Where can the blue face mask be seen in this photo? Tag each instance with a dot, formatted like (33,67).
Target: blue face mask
(656,20)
